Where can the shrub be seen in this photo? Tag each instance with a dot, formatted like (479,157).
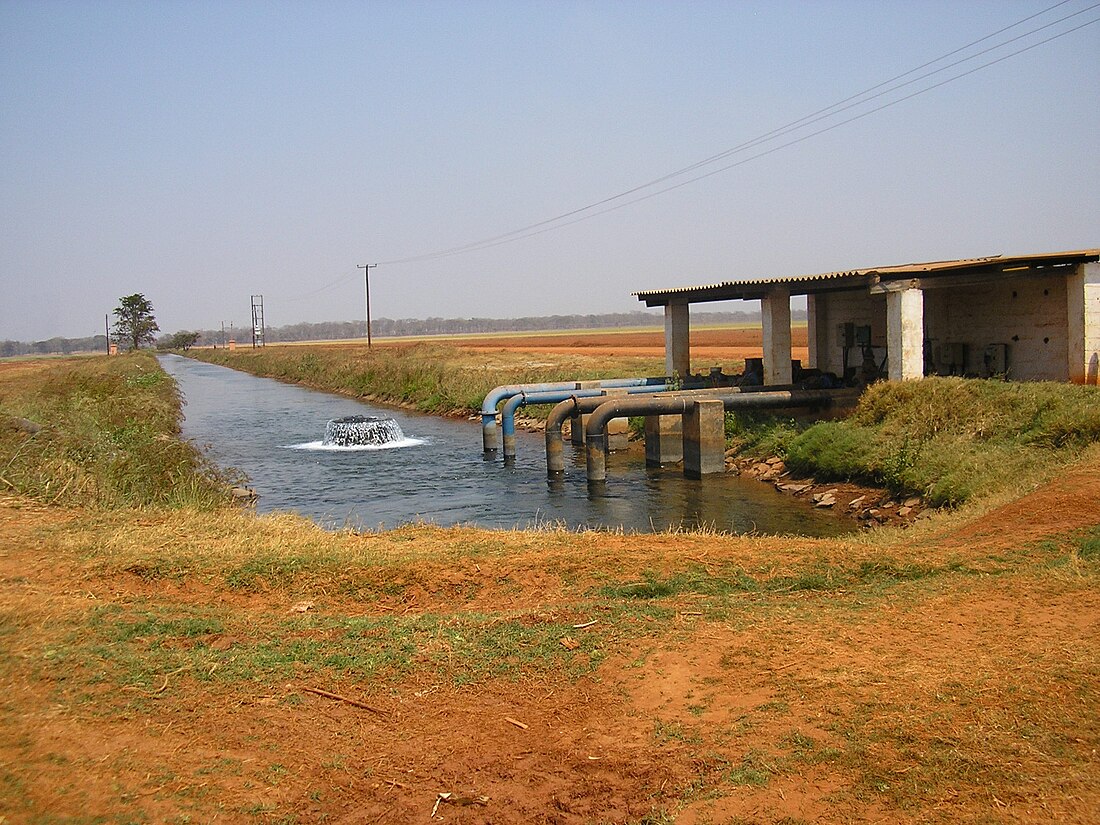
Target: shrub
(948,439)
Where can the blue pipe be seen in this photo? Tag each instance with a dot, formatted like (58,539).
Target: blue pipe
(508,415)
(489,405)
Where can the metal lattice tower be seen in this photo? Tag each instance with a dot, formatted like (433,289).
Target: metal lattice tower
(257,321)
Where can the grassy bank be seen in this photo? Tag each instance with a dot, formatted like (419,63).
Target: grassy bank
(432,378)
(949,440)
(100,432)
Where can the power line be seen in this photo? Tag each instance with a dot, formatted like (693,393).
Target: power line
(774,149)
(834,109)
(869,94)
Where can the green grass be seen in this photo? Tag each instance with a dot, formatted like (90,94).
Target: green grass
(1088,545)
(817,575)
(949,440)
(140,645)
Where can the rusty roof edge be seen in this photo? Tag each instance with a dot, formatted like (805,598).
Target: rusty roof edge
(1072,256)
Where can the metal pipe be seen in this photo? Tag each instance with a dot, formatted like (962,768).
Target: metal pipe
(577,405)
(498,394)
(508,413)
(596,432)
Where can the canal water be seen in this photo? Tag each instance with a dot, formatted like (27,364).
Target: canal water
(273,433)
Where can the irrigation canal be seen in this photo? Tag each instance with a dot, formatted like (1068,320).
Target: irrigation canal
(273,431)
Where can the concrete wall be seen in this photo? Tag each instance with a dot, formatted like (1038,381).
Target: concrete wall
(833,308)
(1029,315)
(1092,334)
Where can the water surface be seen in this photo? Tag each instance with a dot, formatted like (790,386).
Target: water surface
(272,432)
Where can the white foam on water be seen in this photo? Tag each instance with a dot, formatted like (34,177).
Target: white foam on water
(321,446)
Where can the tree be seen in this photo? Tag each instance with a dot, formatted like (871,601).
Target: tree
(134,321)
(183,340)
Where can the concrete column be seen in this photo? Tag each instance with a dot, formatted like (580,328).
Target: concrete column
(1083,323)
(775,310)
(705,439)
(618,429)
(664,439)
(677,340)
(577,423)
(905,334)
(811,331)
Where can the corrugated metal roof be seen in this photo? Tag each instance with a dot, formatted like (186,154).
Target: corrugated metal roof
(859,276)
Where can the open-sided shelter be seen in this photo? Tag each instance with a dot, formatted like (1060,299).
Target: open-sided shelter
(1023,317)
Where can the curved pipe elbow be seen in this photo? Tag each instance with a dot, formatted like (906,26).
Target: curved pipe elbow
(623,407)
(498,394)
(495,396)
(562,410)
(508,414)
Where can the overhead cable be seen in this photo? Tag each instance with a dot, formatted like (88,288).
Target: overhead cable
(827,112)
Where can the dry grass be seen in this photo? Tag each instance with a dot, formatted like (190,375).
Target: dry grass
(430,377)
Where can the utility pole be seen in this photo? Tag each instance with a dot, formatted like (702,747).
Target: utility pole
(366,285)
(107,326)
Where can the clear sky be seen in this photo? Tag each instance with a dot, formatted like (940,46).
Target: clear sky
(202,152)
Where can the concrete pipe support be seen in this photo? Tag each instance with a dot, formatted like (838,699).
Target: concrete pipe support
(698,420)
(576,406)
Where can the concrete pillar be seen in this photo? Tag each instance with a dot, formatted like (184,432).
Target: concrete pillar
(664,439)
(905,334)
(677,340)
(618,429)
(1083,323)
(812,324)
(577,423)
(618,434)
(1092,334)
(775,310)
(705,438)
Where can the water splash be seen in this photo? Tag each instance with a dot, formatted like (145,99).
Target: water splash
(362,431)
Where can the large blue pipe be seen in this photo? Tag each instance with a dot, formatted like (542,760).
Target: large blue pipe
(508,415)
(489,405)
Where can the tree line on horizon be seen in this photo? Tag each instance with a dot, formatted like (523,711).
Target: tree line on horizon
(384,328)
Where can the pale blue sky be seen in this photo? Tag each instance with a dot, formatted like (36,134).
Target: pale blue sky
(201,152)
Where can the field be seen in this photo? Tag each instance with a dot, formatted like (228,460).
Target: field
(182,661)
(725,346)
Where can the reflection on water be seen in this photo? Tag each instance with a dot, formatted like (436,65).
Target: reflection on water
(273,432)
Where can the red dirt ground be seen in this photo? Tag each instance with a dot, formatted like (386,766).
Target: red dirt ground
(974,677)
